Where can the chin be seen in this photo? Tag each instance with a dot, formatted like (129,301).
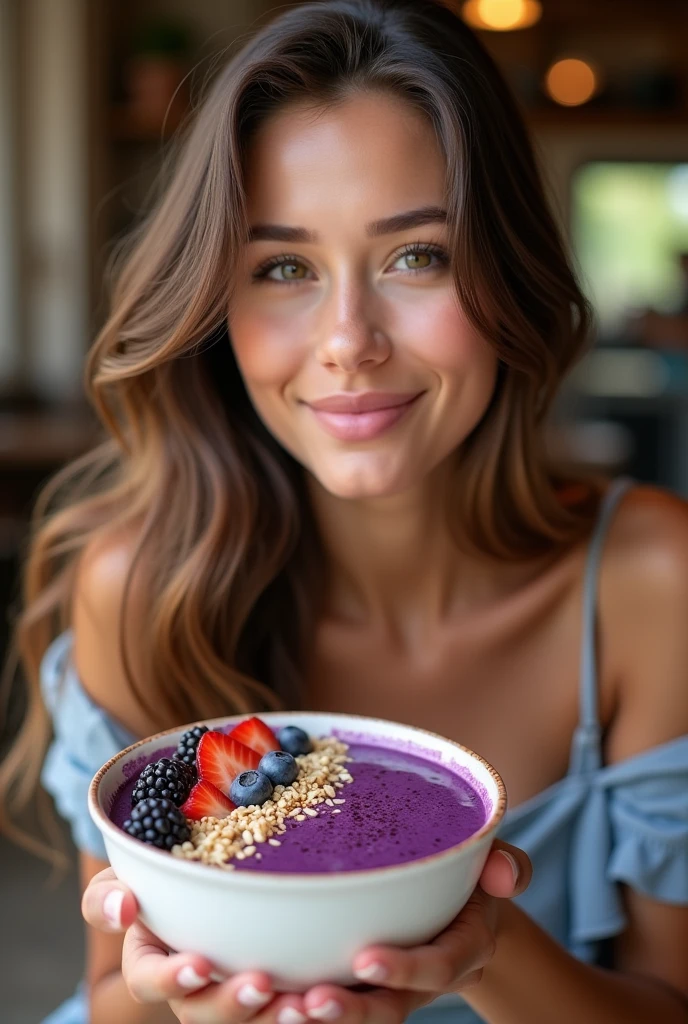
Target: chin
(366,482)
(354,492)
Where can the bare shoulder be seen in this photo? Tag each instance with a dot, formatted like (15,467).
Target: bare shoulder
(651,525)
(102,575)
(108,602)
(646,556)
(644,612)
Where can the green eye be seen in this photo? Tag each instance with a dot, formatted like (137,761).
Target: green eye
(290,271)
(415,260)
(421,257)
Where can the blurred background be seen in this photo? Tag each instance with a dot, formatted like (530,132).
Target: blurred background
(91,93)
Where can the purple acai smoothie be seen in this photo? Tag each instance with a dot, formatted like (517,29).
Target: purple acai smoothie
(399,808)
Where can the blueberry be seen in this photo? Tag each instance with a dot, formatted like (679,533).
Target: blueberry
(280,767)
(250,788)
(294,740)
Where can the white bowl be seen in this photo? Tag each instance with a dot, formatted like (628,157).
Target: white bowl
(302,929)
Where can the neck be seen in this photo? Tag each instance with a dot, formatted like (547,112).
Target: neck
(393,561)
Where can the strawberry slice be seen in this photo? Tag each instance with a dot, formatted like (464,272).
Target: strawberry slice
(206,801)
(254,733)
(220,758)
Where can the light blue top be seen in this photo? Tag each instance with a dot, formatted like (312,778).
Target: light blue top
(599,825)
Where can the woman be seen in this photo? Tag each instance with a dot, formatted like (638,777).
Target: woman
(325,374)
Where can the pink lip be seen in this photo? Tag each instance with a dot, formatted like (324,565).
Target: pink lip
(362,416)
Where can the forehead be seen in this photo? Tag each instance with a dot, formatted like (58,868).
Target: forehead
(372,155)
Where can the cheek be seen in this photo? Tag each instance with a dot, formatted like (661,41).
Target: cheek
(269,356)
(267,352)
(447,343)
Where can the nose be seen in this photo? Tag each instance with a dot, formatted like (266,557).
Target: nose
(353,342)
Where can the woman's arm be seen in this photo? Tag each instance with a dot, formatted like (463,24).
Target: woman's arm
(533,980)
(644,630)
(111,1004)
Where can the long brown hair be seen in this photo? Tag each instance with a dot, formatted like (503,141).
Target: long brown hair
(218,508)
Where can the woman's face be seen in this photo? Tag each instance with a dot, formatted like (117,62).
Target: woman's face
(344,320)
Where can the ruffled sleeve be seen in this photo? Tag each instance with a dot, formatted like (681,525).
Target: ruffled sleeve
(632,829)
(84,738)
(649,825)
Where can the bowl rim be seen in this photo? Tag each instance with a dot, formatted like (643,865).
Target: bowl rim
(108,827)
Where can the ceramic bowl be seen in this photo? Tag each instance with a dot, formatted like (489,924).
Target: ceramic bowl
(231,916)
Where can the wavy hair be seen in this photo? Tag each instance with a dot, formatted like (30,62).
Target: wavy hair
(223,526)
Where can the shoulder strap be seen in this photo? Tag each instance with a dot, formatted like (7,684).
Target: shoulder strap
(589,727)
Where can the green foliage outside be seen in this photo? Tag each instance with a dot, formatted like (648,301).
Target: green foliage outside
(629,223)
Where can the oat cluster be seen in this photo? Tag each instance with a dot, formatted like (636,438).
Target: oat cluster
(219,841)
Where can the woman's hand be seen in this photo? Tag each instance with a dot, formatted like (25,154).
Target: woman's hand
(154,975)
(450,963)
(408,978)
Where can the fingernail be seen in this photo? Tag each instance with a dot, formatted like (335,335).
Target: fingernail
(513,864)
(373,972)
(290,1015)
(188,978)
(249,995)
(112,907)
(328,1011)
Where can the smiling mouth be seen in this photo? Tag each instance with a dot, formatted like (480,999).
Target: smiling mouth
(361,418)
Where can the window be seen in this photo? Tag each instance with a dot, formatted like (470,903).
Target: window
(629,223)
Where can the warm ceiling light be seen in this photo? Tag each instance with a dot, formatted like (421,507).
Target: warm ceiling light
(571,82)
(501,15)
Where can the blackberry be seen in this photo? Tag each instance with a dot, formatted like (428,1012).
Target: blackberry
(157,822)
(166,779)
(186,748)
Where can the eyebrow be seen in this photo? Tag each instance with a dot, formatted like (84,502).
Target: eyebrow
(387,226)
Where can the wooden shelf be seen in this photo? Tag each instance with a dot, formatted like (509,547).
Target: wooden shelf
(49,438)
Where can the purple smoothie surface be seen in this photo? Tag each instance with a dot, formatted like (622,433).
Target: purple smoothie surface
(399,808)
